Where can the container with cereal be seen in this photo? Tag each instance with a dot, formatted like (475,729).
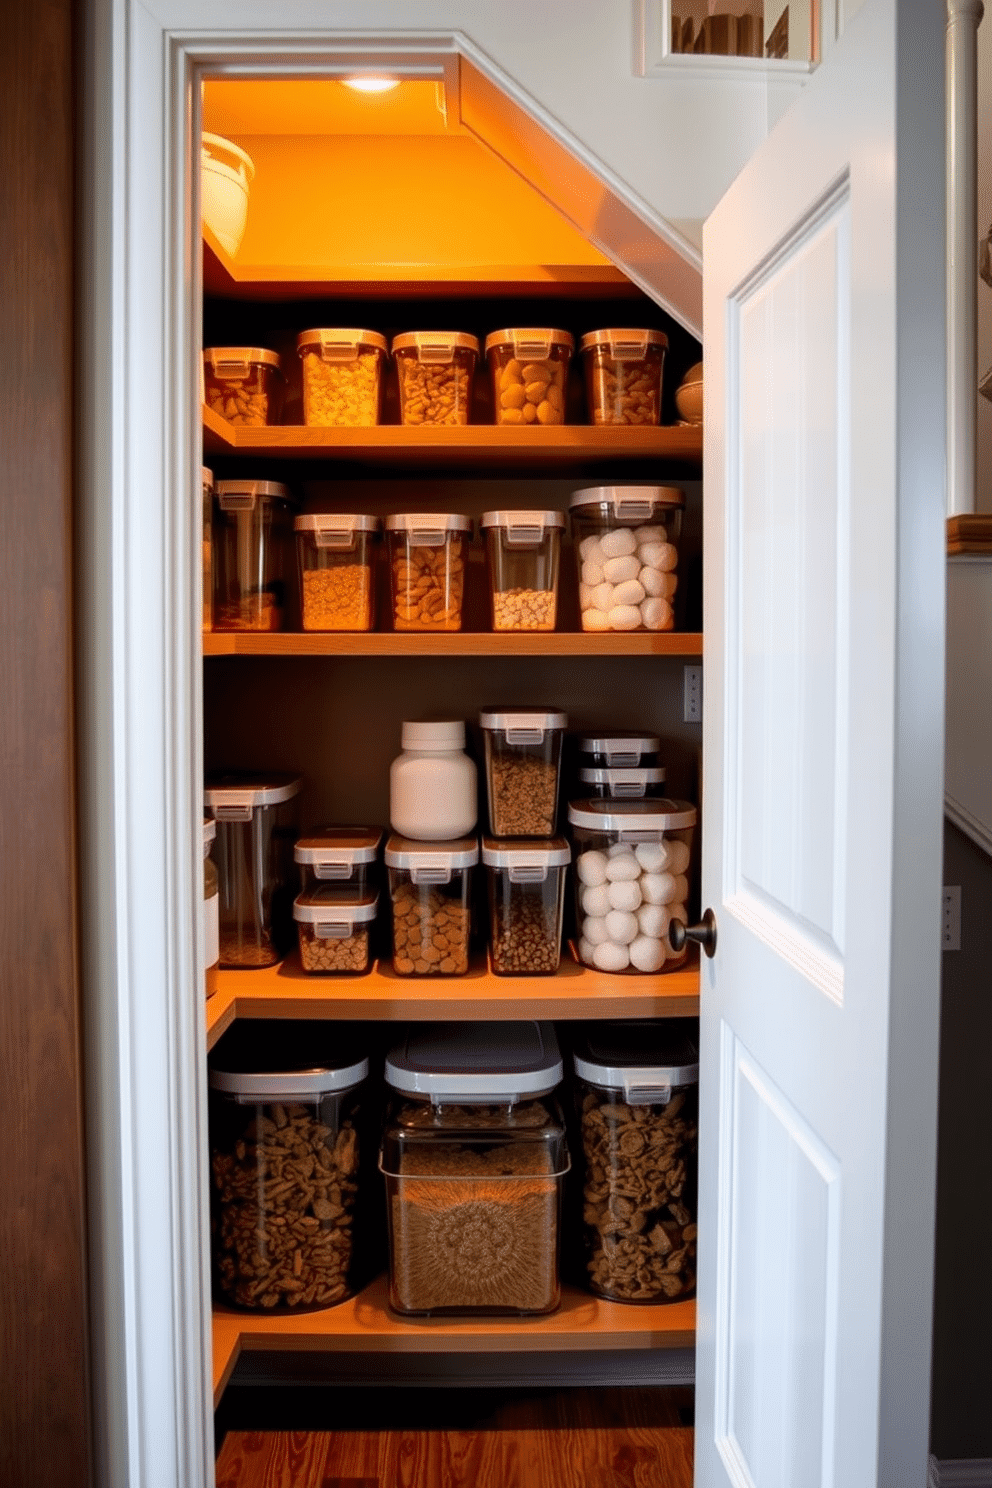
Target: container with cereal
(334,928)
(434,370)
(256,829)
(244,384)
(429,891)
(427,556)
(346,856)
(522,548)
(626,544)
(342,376)
(336,557)
(632,860)
(529,368)
(526,900)
(523,764)
(474,1158)
(251,536)
(636,1089)
(623,370)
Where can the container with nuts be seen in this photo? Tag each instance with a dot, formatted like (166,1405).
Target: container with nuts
(529,368)
(626,545)
(334,928)
(434,370)
(244,384)
(427,557)
(522,548)
(286,1140)
(523,760)
(256,818)
(638,1112)
(346,856)
(429,892)
(342,376)
(252,531)
(336,553)
(623,370)
(526,899)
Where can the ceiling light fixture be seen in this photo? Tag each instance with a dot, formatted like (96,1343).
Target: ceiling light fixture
(366,82)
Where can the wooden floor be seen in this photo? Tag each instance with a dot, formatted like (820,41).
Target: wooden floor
(623,1438)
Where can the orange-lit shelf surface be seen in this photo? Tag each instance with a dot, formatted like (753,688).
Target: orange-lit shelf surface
(458,643)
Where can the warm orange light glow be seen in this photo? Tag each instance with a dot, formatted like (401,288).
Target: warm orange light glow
(366,83)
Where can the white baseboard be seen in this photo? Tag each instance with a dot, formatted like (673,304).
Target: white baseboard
(963,1472)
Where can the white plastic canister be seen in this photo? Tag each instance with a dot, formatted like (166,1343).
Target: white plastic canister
(432,784)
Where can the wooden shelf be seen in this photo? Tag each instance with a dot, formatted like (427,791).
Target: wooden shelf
(460,643)
(970,534)
(365,1324)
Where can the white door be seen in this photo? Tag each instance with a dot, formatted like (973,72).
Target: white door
(824,506)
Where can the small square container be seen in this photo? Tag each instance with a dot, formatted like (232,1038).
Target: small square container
(529,368)
(623,372)
(256,818)
(626,545)
(289,1164)
(523,548)
(336,557)
(345,856)
(526,900)
(427,557)
(252,531)
(523,765)
(434,370)
(342,377)
(632,861)
(207,492)
(622,784)
(244,384)
(474,1158)
(429,892)
(334,929)
(636,1092)
(614,749)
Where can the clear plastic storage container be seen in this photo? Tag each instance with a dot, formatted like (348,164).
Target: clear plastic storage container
(287,1137)
(336,556)
(429,891)
(474,1159)
(523,760)
(244,384)
(632,863)
(433,784)
(427,556)
(529,369)
(256,818)
(334,928)
(526,899)
(626,544)
(342,377)
(211,910)
(252,533)
(434,370)
(339,855)
(636,1088)
(613,749)
(622,784)
(523,549)
(207,492)
(623,372)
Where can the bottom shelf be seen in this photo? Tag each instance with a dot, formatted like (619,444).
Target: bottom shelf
(365,1324)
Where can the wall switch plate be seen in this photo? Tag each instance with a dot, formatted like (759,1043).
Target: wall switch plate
(950,919)
(692,694)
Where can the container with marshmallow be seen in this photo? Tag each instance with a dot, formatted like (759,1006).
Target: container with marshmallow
(626,545)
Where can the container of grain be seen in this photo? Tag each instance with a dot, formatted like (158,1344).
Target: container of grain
(623,371)
(434,370)
(523,759)
(207,497)
(526,899)
(429,886)
(287,1145)
(529,368)
(626,545)
(256,818)
(211,910)
(336,559)
(474,1159)
(251,537)
(427,555)
(334,928)
(342,376)
(522,549)
(596,781)
(345,856)
(244,384)
(636,1091)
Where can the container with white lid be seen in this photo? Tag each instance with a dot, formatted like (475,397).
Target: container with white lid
(252,531)
(342,376)
(636,1089)
(336,557)
(427,557)
(432,784)
(623,784)
(523,549)
(529,367)
(287,1137)
(207,522)
(435,370)
(523,760)
(626,546)
(211,910)
(429,886)
(256,818)
(474,1158)
(632,869)
(342,855)
(244,384)
(617,749)
(623,373)
(334,928)
(526,899)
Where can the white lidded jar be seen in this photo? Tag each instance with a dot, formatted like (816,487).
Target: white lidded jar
(432,784)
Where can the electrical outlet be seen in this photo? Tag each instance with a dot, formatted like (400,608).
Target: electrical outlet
(950,919)
(692,695)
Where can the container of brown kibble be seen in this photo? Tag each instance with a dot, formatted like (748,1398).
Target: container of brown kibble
(287,1149)
(474,1158)
(252,532)
(256,818)
(529,368)
(342,376)
(523,764)
(334,928)
(636,1089)
(434,370)
(522,549)
(526,900)
(429,886)
(596,781)
(336,562)
(427,556)
(244,384)
(623,372)
(345,856)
